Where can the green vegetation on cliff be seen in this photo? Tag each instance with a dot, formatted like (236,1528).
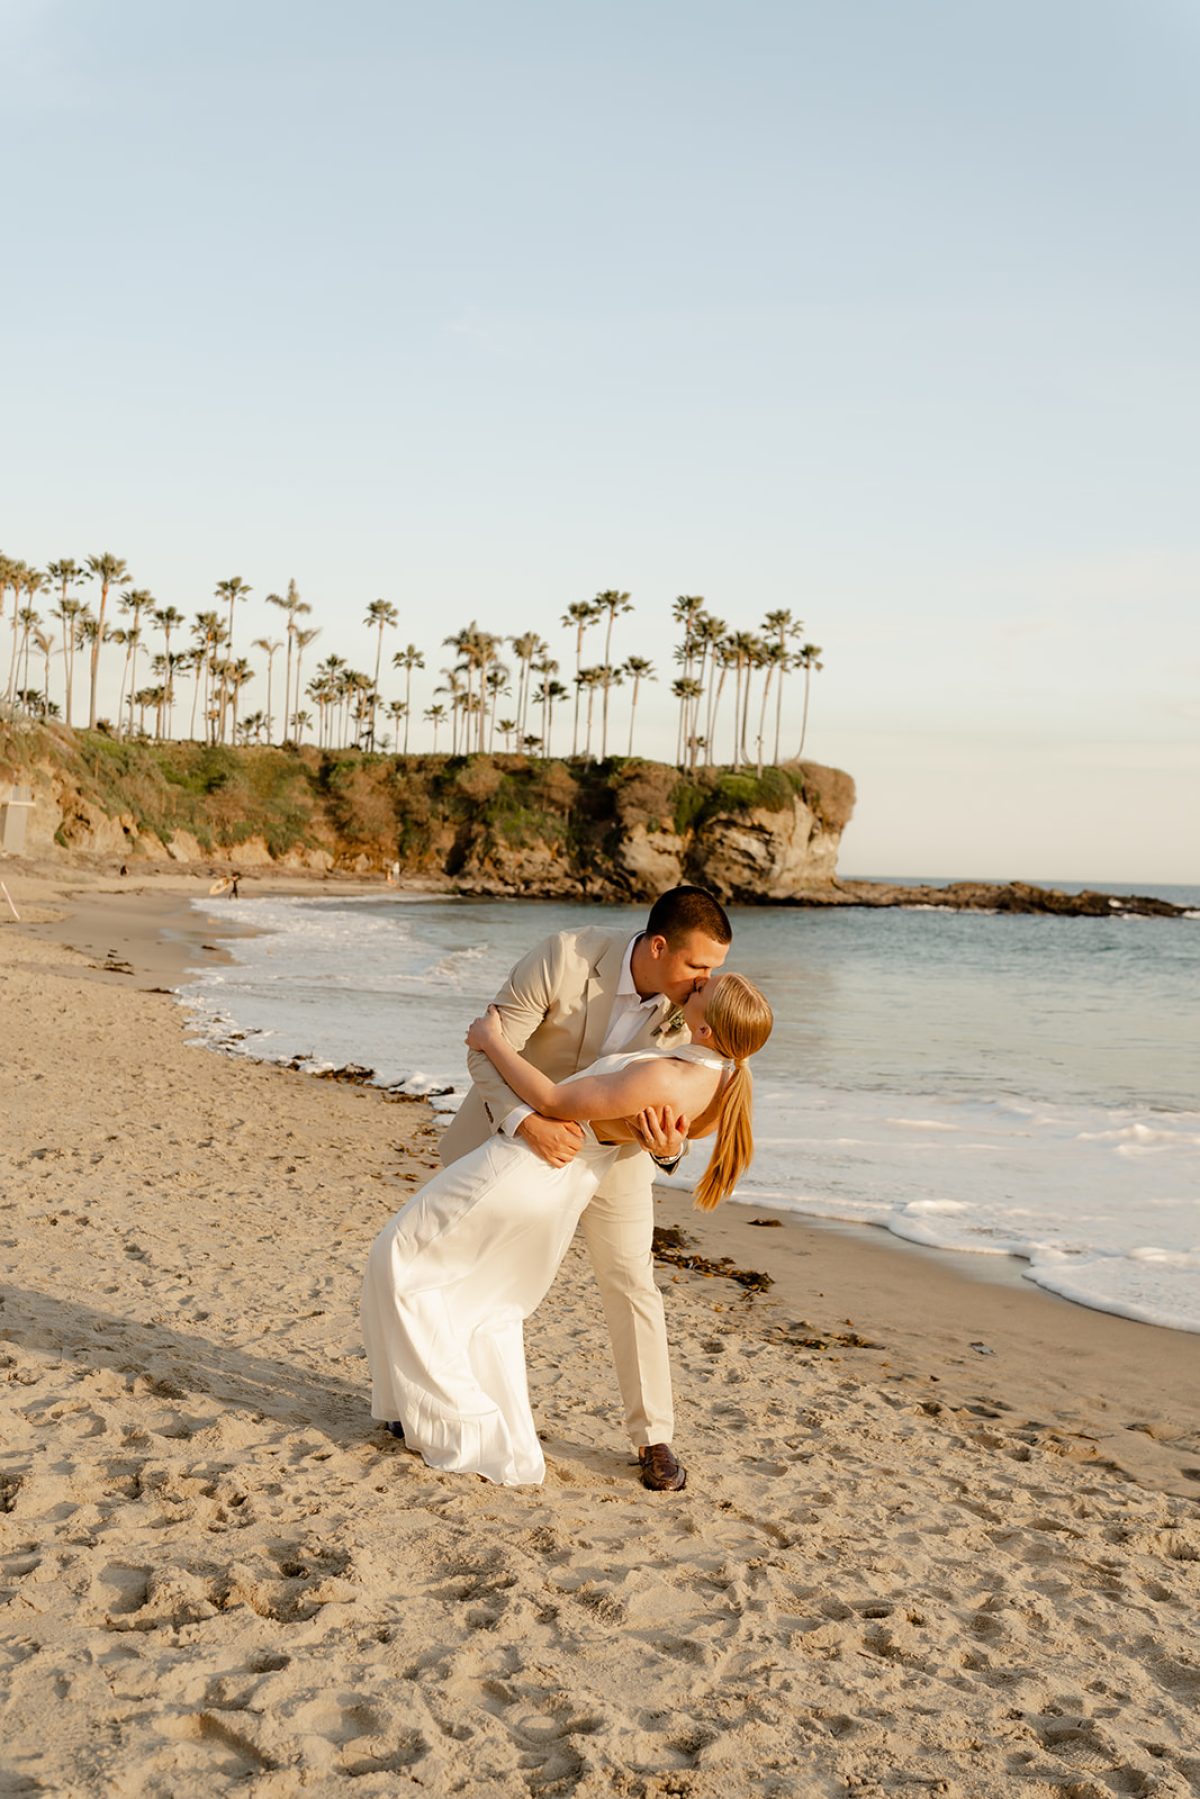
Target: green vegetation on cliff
(521,820)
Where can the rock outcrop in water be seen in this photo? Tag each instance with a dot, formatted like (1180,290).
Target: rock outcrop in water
(987,896)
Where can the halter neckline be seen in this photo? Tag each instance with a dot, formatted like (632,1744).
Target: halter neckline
(693,1052)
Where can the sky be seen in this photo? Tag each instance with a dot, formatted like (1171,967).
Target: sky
(883,312)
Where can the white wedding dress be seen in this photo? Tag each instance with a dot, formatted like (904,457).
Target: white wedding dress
(450,1282)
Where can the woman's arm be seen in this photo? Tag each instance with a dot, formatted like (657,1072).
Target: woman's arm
(655,1081)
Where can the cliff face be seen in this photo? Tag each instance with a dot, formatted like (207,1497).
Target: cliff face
(480,824)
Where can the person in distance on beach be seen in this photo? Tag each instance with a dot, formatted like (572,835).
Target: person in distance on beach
(452,1278)
(578,995)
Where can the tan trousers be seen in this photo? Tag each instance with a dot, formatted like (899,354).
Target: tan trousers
(618,1230)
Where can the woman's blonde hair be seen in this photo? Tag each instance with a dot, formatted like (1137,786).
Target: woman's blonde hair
(740,1021)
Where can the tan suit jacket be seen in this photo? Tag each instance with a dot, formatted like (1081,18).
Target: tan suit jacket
(556,1006)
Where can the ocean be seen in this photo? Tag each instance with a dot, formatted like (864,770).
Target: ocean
(1022,1086)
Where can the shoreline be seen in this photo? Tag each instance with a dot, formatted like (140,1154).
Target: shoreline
(806,1257)
(150,928)
(897,1562)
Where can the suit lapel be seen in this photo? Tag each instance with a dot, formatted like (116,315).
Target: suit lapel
(601,992)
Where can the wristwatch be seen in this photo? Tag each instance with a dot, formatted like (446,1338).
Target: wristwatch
(668,1164)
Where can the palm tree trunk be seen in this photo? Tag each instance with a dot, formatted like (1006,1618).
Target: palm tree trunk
(15,658)
(762,716)
(578,670)
(287,680)
(375,695)
(121,699)
(804,718)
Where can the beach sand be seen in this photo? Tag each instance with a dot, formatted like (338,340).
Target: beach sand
(901,1565)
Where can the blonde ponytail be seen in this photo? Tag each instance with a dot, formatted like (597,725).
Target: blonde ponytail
(740,1021)
(734,1145)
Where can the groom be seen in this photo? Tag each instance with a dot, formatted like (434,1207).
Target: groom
(579,995)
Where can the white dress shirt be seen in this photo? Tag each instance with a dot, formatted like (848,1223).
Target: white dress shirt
(630,1012)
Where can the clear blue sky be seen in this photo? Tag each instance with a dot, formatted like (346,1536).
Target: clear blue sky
(885,312)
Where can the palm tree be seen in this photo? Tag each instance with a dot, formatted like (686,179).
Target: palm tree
(783,625)
(67,612)
(476,650)
(67,573)
(506,728)
(610,602)
(135,600)
(383,614)
(363,699)
(295,607)
(527,647)
(110,571)
(723,657)
(325,691)
(687,691)
(457,693)
(436,715)
(808,657)
(547,697)
(497,684)
(127,636)
(589,680)
(237,675)
(303,639)
(45,644)
(168,619)
(397,710)
(208,634)
(30,618)
(580,614)
(774,658)
(638,669)
(687,611)
(22,580)
(744,647)
(14,577)
(408,658)
(707,633)
(230,591)
(270,651)
(87,628)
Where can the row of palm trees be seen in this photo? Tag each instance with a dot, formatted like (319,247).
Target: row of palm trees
(493,687)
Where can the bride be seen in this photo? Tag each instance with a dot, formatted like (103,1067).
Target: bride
(452,1278)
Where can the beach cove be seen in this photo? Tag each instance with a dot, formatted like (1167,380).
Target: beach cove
(940,1532)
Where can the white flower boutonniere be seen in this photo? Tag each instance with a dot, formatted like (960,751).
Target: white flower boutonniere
(673,1023)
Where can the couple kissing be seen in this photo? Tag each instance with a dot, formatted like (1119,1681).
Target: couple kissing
(602,1056)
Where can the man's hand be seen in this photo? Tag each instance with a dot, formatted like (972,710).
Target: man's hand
(663,1131)
(555,1141)
(483,1032)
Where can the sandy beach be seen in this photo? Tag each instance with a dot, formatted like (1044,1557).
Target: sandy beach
(940,1532)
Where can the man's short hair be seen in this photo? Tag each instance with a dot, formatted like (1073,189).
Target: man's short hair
(676,914)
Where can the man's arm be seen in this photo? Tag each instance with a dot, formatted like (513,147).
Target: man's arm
(523,1003)
(647,1081)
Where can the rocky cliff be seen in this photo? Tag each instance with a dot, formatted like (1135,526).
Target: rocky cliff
(479,824)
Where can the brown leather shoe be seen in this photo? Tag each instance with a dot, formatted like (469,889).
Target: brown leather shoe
(661,1471)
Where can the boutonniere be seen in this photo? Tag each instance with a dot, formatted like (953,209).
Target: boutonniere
(673,1022)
